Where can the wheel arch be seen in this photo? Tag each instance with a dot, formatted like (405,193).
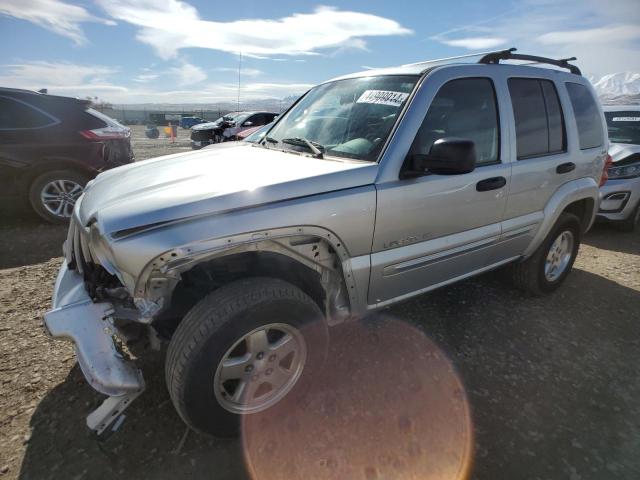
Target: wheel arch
(580,197)
(55,164)
(310,258)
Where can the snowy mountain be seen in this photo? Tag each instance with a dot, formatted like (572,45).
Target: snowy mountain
(623,87)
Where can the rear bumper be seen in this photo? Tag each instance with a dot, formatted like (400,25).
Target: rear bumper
(618,198)
(89,326)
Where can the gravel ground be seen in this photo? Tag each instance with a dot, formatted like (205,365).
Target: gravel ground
(534,387)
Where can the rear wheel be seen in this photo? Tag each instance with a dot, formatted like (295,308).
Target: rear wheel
(54,194)
(241,350)
(548,267)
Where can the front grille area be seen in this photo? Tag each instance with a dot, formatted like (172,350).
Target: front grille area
(98,282)
(201,135)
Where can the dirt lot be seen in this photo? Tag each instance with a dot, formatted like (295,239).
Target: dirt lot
(552,384)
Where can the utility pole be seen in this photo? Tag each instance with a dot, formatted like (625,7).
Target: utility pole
(239,69)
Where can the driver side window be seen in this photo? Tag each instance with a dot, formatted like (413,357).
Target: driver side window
(464,108)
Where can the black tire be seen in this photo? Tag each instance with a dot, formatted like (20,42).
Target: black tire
(39,184)
(214,325)
(152,134)
(529,275)
(631,223)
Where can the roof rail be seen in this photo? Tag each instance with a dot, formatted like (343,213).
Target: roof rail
(446,59)
(495,57)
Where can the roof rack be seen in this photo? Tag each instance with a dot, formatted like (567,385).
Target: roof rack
(495,57)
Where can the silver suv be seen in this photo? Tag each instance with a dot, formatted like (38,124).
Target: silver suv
(371,189)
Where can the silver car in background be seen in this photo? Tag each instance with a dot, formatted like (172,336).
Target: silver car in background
(620,196)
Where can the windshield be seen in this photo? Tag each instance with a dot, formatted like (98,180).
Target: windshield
(624,127)
(347,118)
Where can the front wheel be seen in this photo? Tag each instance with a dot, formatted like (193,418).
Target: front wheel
(241,350)
(548,267)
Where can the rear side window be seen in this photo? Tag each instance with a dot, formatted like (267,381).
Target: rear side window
(588,120)
(538,116)
(464,108)
(19,115)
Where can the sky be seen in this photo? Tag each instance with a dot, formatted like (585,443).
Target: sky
(172,51)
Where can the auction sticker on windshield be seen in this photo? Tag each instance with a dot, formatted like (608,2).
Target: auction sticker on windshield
(383,97)
(615,119)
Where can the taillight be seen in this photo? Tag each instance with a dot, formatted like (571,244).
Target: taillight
(605,175)
(106,133)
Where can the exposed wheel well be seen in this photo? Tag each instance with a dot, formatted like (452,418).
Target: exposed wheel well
(54,165)
(211,275)
(583,209)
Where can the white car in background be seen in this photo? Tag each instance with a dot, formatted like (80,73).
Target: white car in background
(620,195)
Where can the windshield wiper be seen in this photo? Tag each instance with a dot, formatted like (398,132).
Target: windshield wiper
(315,147)
(271,139)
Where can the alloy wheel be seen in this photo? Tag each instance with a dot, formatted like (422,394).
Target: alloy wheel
(559,256)
(260,368)
(59,197)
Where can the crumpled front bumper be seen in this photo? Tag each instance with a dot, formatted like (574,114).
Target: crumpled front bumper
(89,325)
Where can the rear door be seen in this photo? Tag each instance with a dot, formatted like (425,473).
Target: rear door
(435,228)
(545,154)
(22,127)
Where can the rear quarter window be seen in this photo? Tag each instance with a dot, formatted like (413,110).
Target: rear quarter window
(588,120)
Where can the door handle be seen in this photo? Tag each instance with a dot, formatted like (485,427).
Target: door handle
(565,167)
(492,183)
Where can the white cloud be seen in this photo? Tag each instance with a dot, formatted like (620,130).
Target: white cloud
(36,75)
(249,72)
(59,17)
(171,25)
(604,36)
(617,34)
(145,77)
(475,43)
(188,74)
(93,80)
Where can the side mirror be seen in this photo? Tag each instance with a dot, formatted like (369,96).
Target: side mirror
(247,124)
(448,156)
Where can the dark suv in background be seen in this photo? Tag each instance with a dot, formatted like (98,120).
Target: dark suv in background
(51,146)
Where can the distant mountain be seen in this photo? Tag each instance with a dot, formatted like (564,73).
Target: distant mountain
(618,88)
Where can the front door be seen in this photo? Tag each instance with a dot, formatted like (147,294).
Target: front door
(436,228)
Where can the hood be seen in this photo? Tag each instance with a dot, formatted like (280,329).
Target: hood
(211,181)
(620,151)
(206,126)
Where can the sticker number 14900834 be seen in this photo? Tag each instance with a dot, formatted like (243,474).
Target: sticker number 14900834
(383,97)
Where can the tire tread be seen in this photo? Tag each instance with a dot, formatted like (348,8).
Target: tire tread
(210,314)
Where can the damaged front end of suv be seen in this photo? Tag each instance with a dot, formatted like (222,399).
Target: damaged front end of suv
(146,243)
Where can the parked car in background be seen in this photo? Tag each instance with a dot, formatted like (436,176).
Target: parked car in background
(254,135)
(51,146)
(620,195)
(242,255)
(188,122)
(227,127)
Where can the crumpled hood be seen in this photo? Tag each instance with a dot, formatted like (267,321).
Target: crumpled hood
(206,126)
(620,151)
(210,181)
